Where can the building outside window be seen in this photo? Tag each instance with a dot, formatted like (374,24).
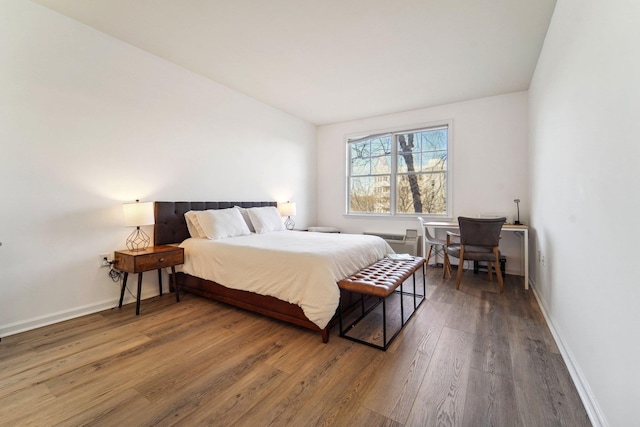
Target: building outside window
(403,172)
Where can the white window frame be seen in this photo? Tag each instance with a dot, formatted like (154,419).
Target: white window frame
(394,171)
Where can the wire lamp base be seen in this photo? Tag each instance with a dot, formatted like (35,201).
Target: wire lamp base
(138,240)
(289,223)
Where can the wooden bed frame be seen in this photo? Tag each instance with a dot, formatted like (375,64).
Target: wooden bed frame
(171,227)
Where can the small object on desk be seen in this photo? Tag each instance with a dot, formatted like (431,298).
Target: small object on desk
(152,258)
(517,202)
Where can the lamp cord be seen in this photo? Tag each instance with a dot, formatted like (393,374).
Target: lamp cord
(117,276)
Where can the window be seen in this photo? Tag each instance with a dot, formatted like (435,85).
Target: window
(398,173)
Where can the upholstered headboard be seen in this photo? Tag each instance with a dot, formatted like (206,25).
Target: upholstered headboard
(171,227)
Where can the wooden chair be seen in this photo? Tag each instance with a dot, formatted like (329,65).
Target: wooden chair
(479,241)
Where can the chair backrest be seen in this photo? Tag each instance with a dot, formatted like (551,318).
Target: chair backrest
(480,231)
(427,238)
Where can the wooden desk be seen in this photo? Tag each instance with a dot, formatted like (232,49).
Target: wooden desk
(521,230)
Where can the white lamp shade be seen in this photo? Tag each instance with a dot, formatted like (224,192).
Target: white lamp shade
(287,209)
(137,214)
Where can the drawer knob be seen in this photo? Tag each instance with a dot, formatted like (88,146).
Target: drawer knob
(161,259)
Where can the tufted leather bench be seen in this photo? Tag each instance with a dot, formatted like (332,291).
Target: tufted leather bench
(381,279)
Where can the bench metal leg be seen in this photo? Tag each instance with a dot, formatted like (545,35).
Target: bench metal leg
(414,292)
(386,342)
(384,323)
(424,286)
(401,306)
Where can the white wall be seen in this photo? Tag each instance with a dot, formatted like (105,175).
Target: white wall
(87,122)
(585,175)
(489,158)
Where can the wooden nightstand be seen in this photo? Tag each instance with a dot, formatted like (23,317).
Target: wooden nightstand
(152,258)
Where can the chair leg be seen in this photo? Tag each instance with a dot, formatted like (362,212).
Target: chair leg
(460,267)
(500,281)
(445,265)
(429,255)
(498,272)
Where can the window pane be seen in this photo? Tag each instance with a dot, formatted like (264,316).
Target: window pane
(381,165)
(360,150)
(360,166)
(404,195)
(433,161)
(360,158)
(381,146)
(370,194)
(435,139)
(370,156)
(422,193)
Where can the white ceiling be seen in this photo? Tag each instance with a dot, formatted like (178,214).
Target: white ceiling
(328,61)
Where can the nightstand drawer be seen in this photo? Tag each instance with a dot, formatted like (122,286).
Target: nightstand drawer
(157,261)
(154,258)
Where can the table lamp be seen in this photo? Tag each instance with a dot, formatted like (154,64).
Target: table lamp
(517,202)
(288,209)
(135,215)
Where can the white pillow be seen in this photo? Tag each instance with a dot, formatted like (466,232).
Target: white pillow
(245,216)
(266,219)
(195,230)
(221,223)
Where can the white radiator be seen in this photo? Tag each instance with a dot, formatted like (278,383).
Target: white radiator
(401,244)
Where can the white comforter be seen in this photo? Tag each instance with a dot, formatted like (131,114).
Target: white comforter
(297,267)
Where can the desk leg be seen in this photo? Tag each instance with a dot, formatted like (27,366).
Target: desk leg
(160,280)
(124,286)
(139,292)
(526,259)
(175,283)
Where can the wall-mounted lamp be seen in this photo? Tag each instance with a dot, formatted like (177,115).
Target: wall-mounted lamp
(288,209)
(517,202)
(135,215)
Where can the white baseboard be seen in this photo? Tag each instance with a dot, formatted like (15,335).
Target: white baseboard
(61,316)
(586,395)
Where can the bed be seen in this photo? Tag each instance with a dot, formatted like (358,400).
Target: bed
(314,311)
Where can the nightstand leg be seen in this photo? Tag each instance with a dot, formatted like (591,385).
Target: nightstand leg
(160,280)
(175,283)
(124,286)
(139,292)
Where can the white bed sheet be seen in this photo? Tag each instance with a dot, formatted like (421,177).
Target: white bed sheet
(298,267)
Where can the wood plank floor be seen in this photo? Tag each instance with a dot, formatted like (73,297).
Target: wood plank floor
(472,357)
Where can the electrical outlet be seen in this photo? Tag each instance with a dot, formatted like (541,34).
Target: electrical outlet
(104,260)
